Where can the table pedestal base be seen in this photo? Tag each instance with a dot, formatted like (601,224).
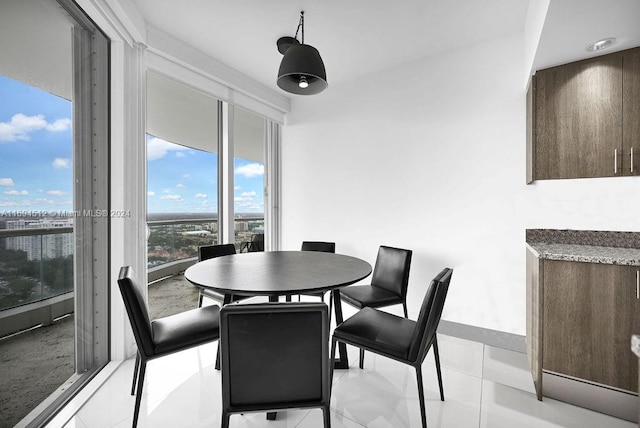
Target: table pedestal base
(343,361)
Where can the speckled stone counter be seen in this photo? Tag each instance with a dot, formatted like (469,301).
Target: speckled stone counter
(587,253)
(588,246)
(565,270)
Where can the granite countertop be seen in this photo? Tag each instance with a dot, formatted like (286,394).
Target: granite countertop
(587,253)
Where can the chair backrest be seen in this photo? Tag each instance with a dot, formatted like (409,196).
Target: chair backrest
(206,252)
(391,270)
(274,356)
(136,310)
(430,313)
(325,247)
(257,243)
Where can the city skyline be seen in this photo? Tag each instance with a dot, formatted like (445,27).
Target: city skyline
(36,162)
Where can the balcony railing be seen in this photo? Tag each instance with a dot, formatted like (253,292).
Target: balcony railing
(173,244)
(36,264)
(36,276)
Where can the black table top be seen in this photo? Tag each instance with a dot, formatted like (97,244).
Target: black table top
(275,273)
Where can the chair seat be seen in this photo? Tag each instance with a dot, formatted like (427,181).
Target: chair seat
(375,329)
(186,329)
(371,296)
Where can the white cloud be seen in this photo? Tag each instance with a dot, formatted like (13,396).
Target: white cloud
(157,148)
(6,182)
(171,197)
(245,196)
(61,163)
(59,125)
(179,154)
(186,176)
(151,193)
(16,192)
(237,188)
(180,186)
(246,202)
(200,195)
(38,203)
(247,206)
(251,170)
(20,126)
(55,192)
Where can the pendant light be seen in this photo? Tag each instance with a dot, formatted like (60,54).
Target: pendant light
(301,70)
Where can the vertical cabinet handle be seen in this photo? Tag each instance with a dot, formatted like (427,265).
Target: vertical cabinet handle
(631,159)
(638,284)
(615,161)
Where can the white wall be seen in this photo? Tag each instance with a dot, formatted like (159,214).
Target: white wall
(430,156)
(534,24)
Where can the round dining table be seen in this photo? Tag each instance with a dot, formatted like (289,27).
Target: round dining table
(281,273)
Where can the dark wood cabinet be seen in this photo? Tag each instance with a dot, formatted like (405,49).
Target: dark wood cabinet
(535,272)
(579,119)
(583,118)
(580,319)
(631,112)
(591,311)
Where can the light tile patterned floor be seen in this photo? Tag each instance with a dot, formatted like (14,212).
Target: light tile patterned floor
(484,387)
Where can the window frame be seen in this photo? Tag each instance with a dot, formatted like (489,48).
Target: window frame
(91,123)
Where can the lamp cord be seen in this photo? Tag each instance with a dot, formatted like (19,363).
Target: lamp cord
(300,24)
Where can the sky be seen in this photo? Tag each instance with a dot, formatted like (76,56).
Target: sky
(36,163)
(181,179)
(35,150)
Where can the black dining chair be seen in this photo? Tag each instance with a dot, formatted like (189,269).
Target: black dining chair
(324,247)
(162,336)
(399,338)
(274,356)
(321,246)
(255,245)
(389,283)
(206,252)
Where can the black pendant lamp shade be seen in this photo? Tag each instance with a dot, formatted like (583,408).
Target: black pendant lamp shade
(301,71)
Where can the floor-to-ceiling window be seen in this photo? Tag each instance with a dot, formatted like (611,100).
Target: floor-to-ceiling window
(248,179)
(205,175)
(182,172)
(53,192)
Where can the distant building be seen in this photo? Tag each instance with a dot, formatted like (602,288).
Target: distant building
(241,226)
(40,247)
(196,233)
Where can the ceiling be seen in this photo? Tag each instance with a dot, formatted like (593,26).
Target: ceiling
(354,37)
(358,37)
(572,24)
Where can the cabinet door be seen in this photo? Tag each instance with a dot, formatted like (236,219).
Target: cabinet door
(631,112)
(590,312)
(578,127)
(535,269)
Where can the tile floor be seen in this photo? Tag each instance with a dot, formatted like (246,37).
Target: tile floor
(484,387)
